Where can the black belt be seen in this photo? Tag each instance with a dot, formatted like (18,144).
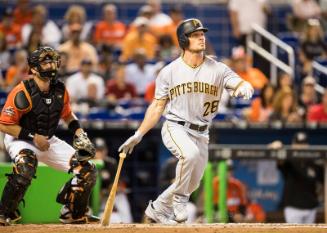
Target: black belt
(199,128)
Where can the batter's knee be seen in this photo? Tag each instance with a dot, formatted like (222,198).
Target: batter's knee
(193,187)
(192,156)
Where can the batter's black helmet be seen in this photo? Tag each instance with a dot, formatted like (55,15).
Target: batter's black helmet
(46,54)
(185,28)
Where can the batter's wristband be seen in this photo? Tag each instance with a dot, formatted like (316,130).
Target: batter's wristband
(238,86)
(25,134)
(73,126)
(138,134)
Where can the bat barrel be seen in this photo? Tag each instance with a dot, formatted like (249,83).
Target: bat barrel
(111,199)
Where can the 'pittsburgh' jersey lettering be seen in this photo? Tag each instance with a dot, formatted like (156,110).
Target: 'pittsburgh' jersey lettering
(193,87)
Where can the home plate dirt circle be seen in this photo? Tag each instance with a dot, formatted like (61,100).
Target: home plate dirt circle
(157,228)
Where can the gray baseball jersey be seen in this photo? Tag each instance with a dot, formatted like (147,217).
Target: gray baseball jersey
(193,93)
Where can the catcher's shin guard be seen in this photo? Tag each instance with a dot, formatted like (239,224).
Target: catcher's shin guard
(24,170)
(76,192)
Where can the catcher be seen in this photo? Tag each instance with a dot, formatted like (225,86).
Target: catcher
(29,119)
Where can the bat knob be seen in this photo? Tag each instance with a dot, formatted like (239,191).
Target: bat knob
(122,155)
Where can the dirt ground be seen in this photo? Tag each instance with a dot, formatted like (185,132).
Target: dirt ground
(156,228)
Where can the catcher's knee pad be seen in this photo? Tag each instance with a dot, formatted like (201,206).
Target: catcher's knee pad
(24,170)
(76,192)
(25,165)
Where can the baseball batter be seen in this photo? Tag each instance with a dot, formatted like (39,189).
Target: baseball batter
(188,90)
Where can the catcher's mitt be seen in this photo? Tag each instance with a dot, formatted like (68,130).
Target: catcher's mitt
(85,149)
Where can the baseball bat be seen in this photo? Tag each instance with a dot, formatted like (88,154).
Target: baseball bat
(111,199)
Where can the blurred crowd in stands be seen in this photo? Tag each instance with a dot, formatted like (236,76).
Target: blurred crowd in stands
(110,67)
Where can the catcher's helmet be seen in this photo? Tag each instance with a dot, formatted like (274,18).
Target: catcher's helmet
(45,54)
(185,28)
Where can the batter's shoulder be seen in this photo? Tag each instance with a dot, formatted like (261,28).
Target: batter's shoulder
(223,66)
(169,67)
(175,62)
(212,60)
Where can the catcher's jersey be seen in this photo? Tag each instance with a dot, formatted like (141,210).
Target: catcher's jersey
(10,114)
(193,93)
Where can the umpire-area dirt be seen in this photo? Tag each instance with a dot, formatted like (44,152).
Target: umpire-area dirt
(157,228)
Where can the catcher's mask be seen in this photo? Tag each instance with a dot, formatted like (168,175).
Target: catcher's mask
(42,56)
